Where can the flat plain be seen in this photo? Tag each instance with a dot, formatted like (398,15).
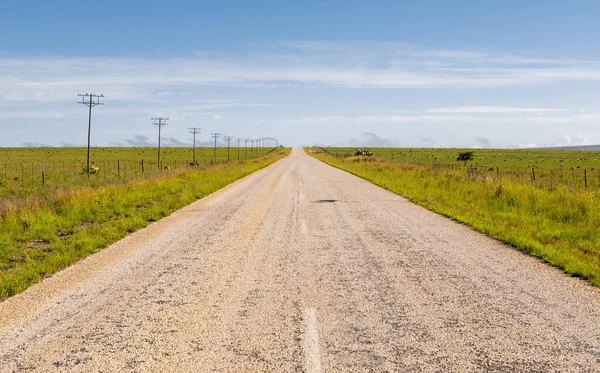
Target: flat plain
(566,166)
(24,171)
(301,267)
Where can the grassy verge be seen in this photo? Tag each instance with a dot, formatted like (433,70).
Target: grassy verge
(553,222)
(26,171)
(53,231)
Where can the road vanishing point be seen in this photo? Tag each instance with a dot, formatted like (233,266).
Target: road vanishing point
(301,267)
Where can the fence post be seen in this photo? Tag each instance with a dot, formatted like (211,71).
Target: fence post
(43,176)
(118,169)
(561,175)
(142,166)
(533,173)
(585,177)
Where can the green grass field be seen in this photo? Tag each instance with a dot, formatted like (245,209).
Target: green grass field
(44,229)
(554,220)
(566,166)
(24,171)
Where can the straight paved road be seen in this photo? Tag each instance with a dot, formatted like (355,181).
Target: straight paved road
(302,267)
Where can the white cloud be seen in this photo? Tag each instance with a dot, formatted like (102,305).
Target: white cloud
(349,65)
(458,114)
(566,141)
(270,87)
(528,146)
(494,110)
(31,114)
(577,140)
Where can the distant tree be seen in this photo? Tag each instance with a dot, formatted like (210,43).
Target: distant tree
(466,156)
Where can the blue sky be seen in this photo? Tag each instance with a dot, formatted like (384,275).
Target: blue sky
(393,73)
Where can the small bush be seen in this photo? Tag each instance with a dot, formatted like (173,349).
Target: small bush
(363,152)
(93,170)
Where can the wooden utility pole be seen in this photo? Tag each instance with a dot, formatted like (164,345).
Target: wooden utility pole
(215,135)
(194,131)
(239,139)
(229,138)
(159,122)
(90,100)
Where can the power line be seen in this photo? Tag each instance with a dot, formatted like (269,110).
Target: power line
(90,100)
(159,122)
(194,131)
(215,136)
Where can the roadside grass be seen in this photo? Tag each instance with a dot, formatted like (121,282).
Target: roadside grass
(554,222)
(27,171)
(45,233)
(578,168)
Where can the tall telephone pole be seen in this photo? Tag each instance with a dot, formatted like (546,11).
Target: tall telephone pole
(194,131)
(215,136)
(90,100)
(159,122)
(239,139)
(229,138)
(246,149)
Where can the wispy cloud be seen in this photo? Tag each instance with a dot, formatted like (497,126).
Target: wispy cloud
(30,144)
(577,139)
(482,141)
(145,141)
(494,110)
(370,139)
(140,140)
(270,87)
(31,114)
(428,140)
(464,114)
(349,65)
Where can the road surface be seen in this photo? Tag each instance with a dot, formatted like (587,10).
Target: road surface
(301,267)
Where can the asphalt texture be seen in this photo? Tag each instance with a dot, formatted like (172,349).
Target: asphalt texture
(302,267)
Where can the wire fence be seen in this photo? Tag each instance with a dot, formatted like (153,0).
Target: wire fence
(25,177)
(577,177)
